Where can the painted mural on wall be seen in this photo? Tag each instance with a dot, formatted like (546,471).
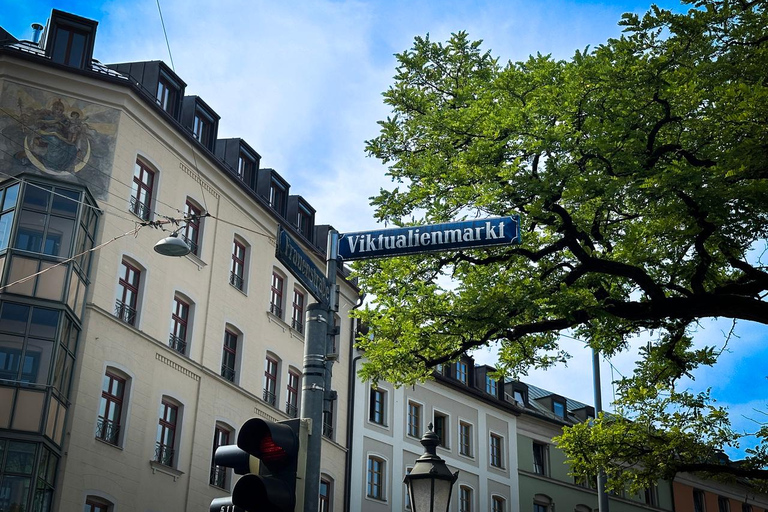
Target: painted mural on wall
(56,135)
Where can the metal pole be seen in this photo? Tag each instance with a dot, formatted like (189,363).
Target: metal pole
(312,395)
(317,377)
(602,496)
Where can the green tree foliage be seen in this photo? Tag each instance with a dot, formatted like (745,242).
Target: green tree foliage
(639,169)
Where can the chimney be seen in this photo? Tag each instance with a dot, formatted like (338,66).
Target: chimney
(37,29)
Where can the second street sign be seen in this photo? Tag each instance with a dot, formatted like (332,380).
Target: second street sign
(436,237)
(302,267)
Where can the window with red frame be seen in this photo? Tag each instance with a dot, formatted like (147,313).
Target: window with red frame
(219,473)
(292,401)
(96,505)
(229,357)
(276,295)
(192,229)
(325,495)
(237,272)
(128,292)
(141,190)
(270,381)
(166,433)
(179,322)
(110,408)
(297,316)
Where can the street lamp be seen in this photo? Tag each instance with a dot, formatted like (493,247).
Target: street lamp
(430,481)
(172,246)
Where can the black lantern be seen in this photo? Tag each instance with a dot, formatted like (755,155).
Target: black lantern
(430,482)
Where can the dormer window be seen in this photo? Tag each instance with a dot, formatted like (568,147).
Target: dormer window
(167,95)
(201,120)
(519,396)
(202,128)
(277,196)
(304,221)
(491,386)
(461,371)
(70,39)
(245,166)
(558,407)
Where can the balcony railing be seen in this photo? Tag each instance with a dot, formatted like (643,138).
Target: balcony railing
(291,410)
(178,344)
(107,430)
(236,281)
(125,312)
(270,397)
(219,476)
(139,209)
(228,373)
(163,454)
(298,325)
(276,310)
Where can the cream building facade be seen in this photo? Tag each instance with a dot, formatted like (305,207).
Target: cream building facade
(122,369)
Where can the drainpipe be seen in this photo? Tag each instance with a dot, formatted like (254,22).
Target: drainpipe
(350,410)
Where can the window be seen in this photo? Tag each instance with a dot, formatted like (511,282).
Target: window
(202,128)
(46,222)
(245,166)
(652,496)
(111,408)
(304,222)
(441,428)
(193,214)
(723,504)
(166,433)
(8,199)
(540,459)
(221,436)
(229,355)
(328,417)
(746,507)
(491,386)
(292,400)
(406,492)
(141,191)
(519,397)
(375,481)
(498,504)
(270,381)
(177,340)
(465,438)
(237,271)
(70,40)
(277,196)
(558,408)
(128,292)
(461,371)
(94,504)
(167,95)
(326,491)
(276,295)
(297,316)
(414,419)
(497,451)
(698,501)
(541,503)
(465,499)
(377,406)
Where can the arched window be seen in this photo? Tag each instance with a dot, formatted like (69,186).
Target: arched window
(271,375)
(130,281)
(193,229)
(230,357)
(326,493)
(182,312)
(168,432)
(115,392)
(238,272)
(97,504)
(376,478)
(223,435)
(542,503)
(142,190)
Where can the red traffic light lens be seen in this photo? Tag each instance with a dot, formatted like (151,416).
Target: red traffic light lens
(270,451)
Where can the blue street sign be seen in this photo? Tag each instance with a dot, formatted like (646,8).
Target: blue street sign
(290,254)
(436,237)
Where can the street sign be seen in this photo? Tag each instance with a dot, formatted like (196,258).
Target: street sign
(290,254)
(450,236)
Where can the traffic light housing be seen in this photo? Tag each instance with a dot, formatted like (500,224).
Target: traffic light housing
(272,459)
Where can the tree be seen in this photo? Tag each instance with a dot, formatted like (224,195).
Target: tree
(640,171)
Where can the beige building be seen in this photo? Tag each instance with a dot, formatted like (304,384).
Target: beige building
(122,369)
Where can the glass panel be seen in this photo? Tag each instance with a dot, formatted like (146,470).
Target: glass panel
(14,492)
(36,196)
(21,268)
(65,202)
(11,194)
(72,293)
(58,240)
(6,402)
(30,233)
(80,296)
(44,323)
(60,424)
(2,267)
(29,411)
(58,369)
(6,223)
(10,356)
(50,285)
(13,318)
(21,457)
(50,423)
(37,361)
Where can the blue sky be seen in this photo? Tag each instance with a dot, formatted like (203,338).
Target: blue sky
(301,81)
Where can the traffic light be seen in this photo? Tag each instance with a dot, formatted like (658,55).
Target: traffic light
(272,459)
